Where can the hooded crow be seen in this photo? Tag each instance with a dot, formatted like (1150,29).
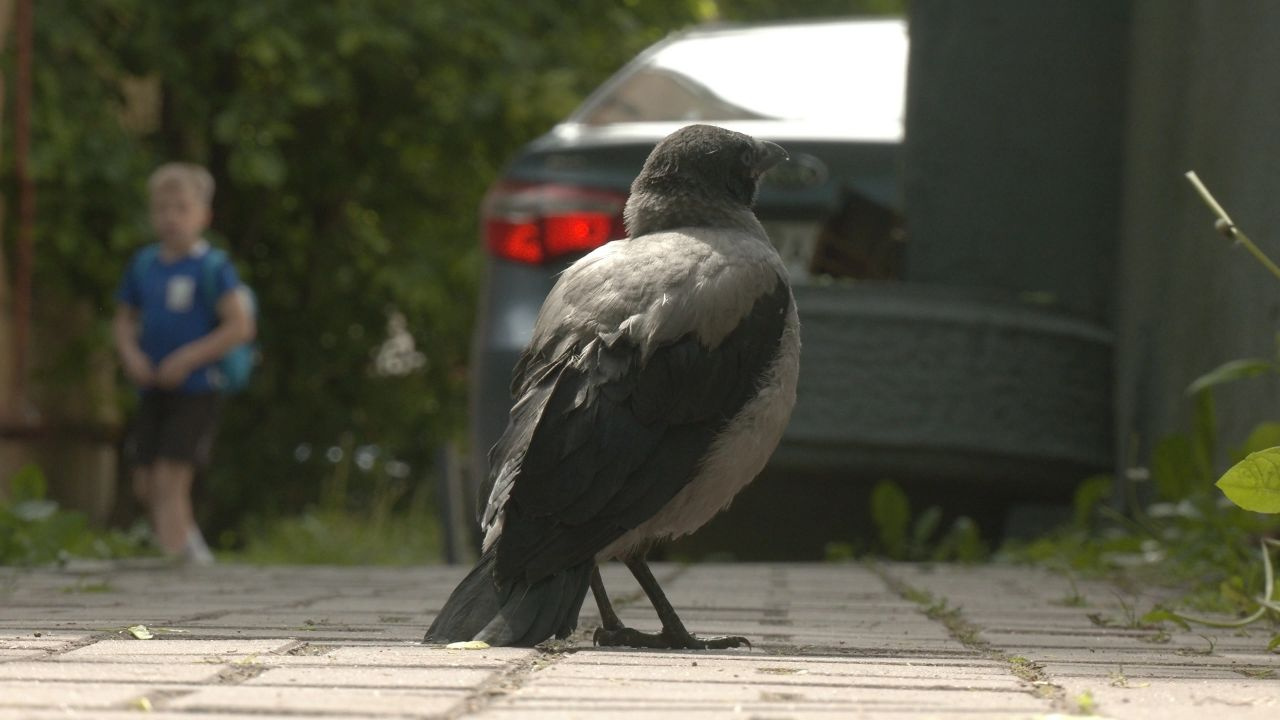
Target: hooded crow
(660,376)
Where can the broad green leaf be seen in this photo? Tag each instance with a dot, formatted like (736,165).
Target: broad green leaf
(1254,483)
(1232,371)
(891,513)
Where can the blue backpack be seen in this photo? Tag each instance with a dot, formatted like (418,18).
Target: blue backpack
(231,373)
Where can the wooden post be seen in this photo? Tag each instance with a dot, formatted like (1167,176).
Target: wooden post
(26,210)
(6,336)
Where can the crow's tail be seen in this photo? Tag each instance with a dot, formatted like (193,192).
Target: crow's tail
(521,614)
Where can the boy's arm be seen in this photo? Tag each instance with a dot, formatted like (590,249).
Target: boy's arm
(124,333)
(235,327)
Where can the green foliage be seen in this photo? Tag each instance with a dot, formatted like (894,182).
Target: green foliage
(332,534)
(1265,605)
(343,537)
(1254,483)
(1089,496)
(1195,538)
(1265,435)
(1200,543)
(1231,371)
(902,539)
(772,9)
(391,525)
(891,513)
(1174,467)
(35,531)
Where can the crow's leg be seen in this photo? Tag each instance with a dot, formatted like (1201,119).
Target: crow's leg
(612,632)
(674,636)
(608,618)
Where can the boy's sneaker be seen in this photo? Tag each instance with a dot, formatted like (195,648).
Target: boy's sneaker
(197,550)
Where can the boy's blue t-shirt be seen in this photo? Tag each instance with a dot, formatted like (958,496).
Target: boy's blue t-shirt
(173,307)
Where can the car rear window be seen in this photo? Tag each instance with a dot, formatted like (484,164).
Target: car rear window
(847,73)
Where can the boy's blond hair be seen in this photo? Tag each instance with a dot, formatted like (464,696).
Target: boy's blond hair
(188,175)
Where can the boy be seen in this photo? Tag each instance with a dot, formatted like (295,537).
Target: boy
(167,335)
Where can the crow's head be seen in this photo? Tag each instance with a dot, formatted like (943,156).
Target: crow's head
(710,161)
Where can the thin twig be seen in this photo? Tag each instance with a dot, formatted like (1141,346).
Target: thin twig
(1228,228)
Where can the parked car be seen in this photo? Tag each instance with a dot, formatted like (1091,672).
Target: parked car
(831,93)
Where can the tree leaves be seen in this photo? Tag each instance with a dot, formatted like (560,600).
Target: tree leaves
(1254,483)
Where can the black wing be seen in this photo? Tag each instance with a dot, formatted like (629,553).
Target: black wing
(601,446)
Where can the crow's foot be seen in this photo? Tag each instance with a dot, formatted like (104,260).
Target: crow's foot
(665,640)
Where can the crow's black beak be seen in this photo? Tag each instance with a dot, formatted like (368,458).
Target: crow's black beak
(767,155)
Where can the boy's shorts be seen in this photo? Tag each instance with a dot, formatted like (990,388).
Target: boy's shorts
(175,426)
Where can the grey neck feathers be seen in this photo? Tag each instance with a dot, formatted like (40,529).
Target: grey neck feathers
(649,212)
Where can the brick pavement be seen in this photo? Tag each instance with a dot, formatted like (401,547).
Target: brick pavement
(831,641)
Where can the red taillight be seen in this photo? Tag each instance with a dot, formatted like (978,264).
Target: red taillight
(515,241)
(535,223)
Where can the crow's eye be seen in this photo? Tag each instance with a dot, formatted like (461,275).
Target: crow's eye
(748,157)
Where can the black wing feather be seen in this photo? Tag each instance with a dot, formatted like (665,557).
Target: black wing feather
(600,452)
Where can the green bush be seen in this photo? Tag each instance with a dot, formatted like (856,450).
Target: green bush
(35,531)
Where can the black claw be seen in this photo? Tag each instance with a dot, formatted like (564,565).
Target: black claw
(723,642)
(665,640)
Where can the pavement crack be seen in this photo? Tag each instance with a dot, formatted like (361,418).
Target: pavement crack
(303,648)
(78,643)
(509,681)
(969,634)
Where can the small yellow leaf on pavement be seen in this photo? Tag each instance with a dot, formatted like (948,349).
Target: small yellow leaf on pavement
(140,632)
(468,645)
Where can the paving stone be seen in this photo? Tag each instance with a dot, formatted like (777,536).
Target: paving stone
(786,670)
(1169,699)
(107,672)
(135,714)
(167,650)
(422,678)
(331,701)
(48,641)
(6,655)
(27,693)
(422,655)
(741,712)
(761,700)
